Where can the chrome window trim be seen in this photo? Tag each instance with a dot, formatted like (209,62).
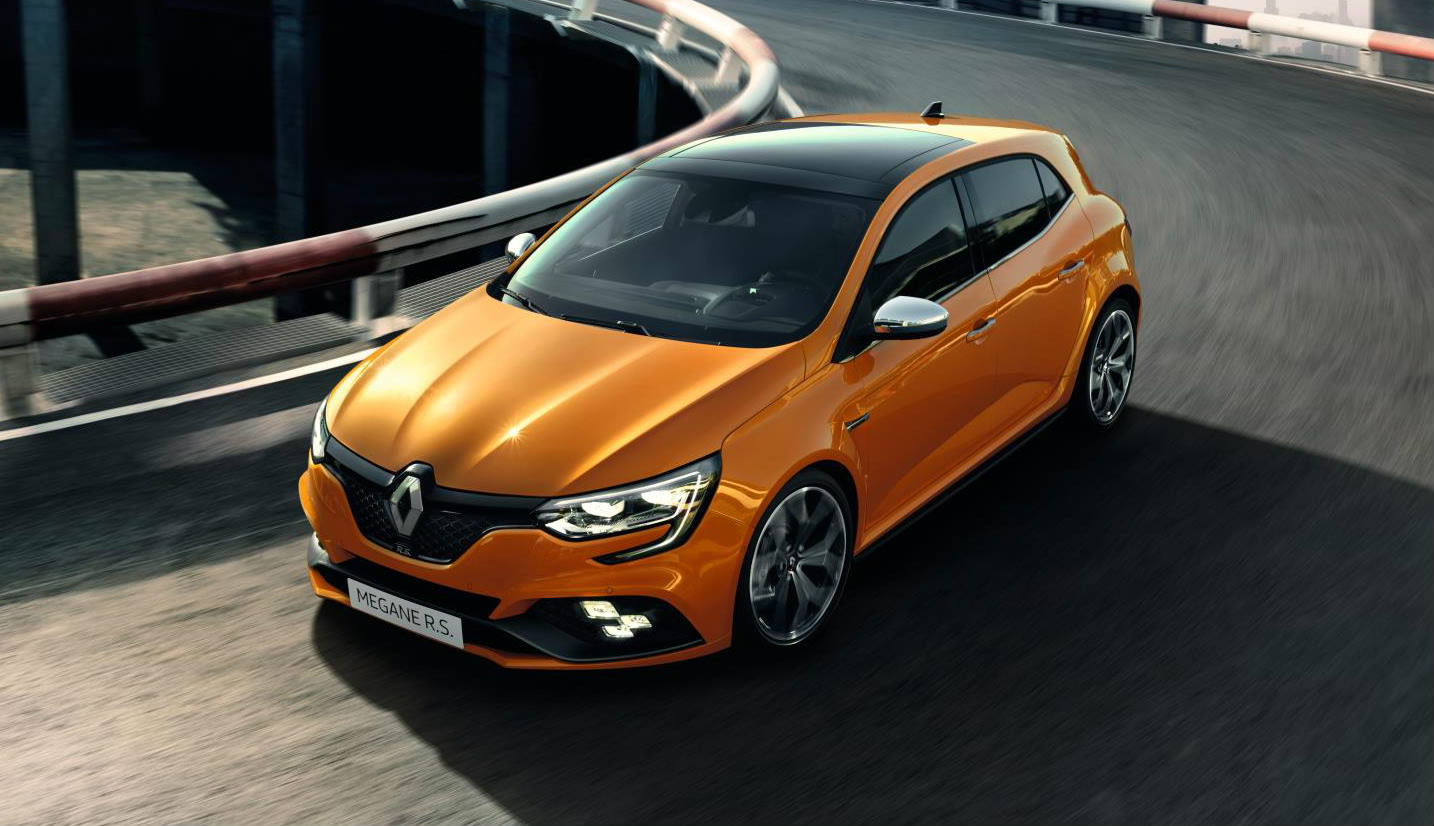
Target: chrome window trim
(1034,238)
(962,197)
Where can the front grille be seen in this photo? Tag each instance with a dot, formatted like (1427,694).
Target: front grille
(443,532)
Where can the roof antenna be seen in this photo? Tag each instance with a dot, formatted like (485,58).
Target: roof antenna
(933,110)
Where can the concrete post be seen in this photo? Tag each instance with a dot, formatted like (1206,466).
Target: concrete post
(948,4)
(1258,43)
(669,34)
(1050,11)
(646,102)
(1150,26)
(497,69)
(583,10)
(149,69)
(729,68)
(52,171)
(295,117)
(1371,63)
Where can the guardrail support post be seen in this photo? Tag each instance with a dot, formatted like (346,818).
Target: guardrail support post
(17,382)
(363,299)
(1257,43)
(1371,63)
(583,10)
(373,301)
(1150,26)
(669,34)
(729,69)
(1050,11)
(948,4)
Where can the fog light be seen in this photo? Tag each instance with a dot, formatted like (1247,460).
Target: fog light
(617,632)
(635,621)
(599,609)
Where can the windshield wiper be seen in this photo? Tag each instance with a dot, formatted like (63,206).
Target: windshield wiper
(524,300)
(625,326)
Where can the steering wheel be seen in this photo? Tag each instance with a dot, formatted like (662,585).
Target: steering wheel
(773,282)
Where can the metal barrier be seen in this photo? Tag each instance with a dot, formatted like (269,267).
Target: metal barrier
(46,311)
(1260,26)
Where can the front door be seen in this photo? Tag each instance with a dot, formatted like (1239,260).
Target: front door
(918,409)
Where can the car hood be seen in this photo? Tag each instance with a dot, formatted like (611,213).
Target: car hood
(502,400)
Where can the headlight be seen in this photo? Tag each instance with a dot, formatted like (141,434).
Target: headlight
(319,434)
(675,500)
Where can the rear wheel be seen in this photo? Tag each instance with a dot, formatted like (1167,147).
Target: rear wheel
(1107,368)
(798,562)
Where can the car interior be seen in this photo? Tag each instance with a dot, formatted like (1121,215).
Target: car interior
(727,251)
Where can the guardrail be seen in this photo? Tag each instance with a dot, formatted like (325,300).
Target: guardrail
(38,312)
(1260,26)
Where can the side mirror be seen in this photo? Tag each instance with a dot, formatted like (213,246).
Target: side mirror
(519,244)
(909,317)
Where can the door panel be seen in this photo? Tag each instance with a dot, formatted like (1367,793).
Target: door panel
(1039,286)
(927,404)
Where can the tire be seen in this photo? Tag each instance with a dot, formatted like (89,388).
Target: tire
(823,573)
(1103,377)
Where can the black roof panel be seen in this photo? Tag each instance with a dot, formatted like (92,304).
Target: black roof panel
(851,150)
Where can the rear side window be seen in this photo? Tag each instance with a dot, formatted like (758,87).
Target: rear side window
(1056,190)
(925,252)
(1009,205)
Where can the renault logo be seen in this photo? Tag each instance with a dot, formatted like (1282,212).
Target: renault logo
(405,505)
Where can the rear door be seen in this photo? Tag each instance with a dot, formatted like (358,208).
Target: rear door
(1035,245)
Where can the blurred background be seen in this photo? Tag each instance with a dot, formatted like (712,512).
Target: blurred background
(1224,612)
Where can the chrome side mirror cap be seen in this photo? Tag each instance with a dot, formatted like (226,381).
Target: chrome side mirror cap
(519,244)
(906,316)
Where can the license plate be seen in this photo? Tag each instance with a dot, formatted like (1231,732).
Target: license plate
(417,618)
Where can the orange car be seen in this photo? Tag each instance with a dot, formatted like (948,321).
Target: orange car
(678,418)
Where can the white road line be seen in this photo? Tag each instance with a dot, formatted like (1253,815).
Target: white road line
(184,398)
(1087,30)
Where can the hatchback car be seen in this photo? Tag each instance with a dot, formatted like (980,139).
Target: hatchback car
(679,417)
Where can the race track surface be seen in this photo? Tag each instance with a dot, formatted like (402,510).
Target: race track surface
(1222,612)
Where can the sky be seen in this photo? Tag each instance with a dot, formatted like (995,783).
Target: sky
(1358,13)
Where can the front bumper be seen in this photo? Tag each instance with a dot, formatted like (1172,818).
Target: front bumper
(509,586)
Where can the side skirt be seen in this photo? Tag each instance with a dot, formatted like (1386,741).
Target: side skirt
(956,487)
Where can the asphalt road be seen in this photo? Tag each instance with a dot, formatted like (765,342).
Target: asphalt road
(1222,612)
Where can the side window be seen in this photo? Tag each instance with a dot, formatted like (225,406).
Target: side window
(1009,206)
(925,252)
(1056,190)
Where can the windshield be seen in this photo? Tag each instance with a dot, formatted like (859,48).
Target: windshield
(697,258)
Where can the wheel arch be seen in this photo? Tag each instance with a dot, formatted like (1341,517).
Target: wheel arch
(1130,295)
(844,479)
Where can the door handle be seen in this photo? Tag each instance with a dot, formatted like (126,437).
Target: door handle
(982,330)
(1070,269)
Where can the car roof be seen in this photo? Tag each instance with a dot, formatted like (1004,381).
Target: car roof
(851,150)
(865,155)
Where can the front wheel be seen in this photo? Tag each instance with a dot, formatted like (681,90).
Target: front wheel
(798,563)
(1107,368)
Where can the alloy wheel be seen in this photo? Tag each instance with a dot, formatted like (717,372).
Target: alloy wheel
(797,565)
(1111,366)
